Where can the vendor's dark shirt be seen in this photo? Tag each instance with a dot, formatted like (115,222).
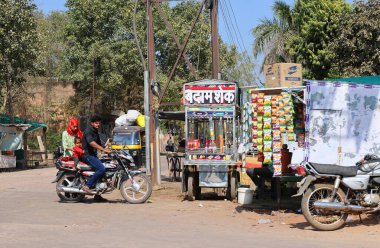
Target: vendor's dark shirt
(90,134)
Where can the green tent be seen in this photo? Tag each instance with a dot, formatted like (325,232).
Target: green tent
(371,80)
(4,119)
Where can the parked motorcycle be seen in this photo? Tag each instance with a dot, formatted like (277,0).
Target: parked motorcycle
(331,192)
(135,186)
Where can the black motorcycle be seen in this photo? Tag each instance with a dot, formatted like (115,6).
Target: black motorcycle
(134,185)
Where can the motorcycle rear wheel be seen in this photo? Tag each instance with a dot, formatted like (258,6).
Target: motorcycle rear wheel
(131,195)
(323,220)
(66,181)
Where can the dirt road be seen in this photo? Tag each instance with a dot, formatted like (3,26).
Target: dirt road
(32,216)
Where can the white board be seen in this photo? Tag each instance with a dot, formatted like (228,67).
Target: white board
(342,117)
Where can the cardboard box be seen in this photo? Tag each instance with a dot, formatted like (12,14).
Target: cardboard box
(283,75)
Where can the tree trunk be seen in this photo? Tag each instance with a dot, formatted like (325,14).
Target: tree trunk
(10,103)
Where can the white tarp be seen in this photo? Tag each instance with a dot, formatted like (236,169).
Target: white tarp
(11,137)
(342,121)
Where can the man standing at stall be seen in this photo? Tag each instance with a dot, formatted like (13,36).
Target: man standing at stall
(91,143)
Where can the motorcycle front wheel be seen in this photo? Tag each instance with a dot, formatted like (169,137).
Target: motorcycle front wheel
(322,219)
(67,180)
(137,191)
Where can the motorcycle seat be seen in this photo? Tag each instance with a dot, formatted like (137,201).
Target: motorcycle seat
(333,169)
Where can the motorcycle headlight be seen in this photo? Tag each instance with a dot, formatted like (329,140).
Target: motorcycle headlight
(134,153)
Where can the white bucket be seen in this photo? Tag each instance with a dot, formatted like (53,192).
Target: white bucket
(245,196)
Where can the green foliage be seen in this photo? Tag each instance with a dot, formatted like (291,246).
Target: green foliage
(357,45)
(317,22)
(19,46)
(100,47)
(50,30)
(272,35)
(19,39)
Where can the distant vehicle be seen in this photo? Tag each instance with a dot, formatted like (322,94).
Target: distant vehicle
(130,138)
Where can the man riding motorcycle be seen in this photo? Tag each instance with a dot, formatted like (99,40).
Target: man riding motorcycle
(91,143)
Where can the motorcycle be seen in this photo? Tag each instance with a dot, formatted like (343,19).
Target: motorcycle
(332,192)
(135,186)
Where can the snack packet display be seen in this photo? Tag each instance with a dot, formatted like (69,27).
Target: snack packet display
(282,128)
(259,141)
(282,120)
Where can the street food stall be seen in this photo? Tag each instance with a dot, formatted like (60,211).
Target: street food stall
(273,137)
(211,137)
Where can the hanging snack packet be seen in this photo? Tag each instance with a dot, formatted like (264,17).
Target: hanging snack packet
(267,100)
(259,133)
(268,134)
(277,146)
(254,98)
(282,128)
(291,136)
(267,146)
(260,118)
(290,128)
(282,120)
(274,111)
(260,148)
(260,126)
(289,118)
(276,158)
(277,170)
(276,125)
(260,98)
(267,111)
(267,158)
(259,141)
(276,134)
(255,132)
(267,123)
(288,109)
(260,109)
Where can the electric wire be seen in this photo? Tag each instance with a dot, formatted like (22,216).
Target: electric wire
(231,23)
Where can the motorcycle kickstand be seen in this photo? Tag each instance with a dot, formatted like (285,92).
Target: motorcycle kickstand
(360,218)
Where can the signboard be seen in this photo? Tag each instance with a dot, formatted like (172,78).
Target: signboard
(342,122)
(210,94)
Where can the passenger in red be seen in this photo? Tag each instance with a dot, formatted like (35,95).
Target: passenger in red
(77,151)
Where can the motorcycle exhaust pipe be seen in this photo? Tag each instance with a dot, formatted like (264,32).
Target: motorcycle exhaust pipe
(340,207)
(75,191)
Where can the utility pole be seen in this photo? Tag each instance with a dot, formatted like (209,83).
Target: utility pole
(215,40)
(151,69)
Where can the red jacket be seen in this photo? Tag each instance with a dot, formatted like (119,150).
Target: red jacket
(77,152)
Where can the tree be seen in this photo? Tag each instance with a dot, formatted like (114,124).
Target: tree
(272,35)
(357,45)
(317,23)
(101,54)
(19,47)
(101,50)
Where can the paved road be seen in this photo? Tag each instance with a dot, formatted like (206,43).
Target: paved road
(31,216)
